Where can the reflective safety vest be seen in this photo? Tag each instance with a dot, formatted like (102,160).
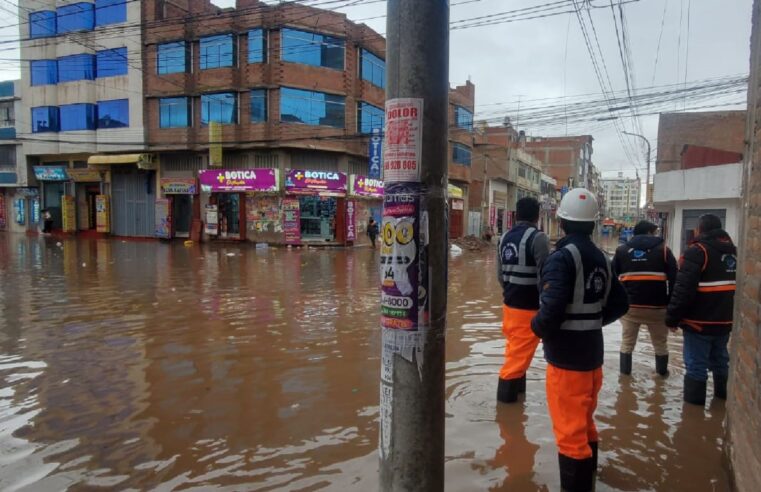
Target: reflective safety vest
(712,307)
(644,275)
(520,274)
(590,294)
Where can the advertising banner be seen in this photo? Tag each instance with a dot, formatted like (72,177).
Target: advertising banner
(364,186)
(305,181)
(102,213)
(376,154)
(236,180)
(50,173)
(351,220)
(69,213)
(292,220)
(179,186)
(84,175)
(212,220)
(163,218)
(403,140)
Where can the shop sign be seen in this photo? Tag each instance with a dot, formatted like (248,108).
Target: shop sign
(84,175)
(351,220)
(376,154)
(103,213)
(28,191)
(298,180)
(364,186)
(179,186)
(163,219)
(458,205)
(236,180)
(292,220)
(69,213)
(212,220)
(403,140)
(50,173)
(454,192)
(3,217)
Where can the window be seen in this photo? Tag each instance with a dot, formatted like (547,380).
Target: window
(370,117)
(461,154)
(463,118)
(257,45)
(77,117)
(174,112)
(219,108)
(372,69)
(110,12)
(258,105)
(217,51)
(522,171)
(8,156)
(112,62)
(113,114)
(171,58)
(76,67)
(42,24)
(311,108)
(44,72)
(312,49)
(45,119)
(75,17)
(7,114)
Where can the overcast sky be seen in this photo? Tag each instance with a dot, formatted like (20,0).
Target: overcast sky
(530,60)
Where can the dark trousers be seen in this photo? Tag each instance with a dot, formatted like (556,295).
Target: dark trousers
(706,352)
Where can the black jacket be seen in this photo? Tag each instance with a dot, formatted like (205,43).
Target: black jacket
(647,270)
(564,346)
(703,297)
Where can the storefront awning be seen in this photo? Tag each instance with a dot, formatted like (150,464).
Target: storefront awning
(454,191)
(143,161)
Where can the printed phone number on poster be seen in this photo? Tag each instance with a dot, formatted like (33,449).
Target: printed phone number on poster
(400,165)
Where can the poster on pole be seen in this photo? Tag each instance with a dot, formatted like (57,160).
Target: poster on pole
(403,140)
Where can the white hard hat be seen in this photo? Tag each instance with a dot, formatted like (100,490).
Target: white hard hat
(579,205)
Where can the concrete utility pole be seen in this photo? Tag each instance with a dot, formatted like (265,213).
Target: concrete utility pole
(647,161)
(414,298)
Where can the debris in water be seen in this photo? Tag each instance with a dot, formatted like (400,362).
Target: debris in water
(471,243)
(230,254)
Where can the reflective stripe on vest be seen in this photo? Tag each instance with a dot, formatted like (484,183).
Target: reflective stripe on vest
(720,286)
(578,306)
(521,267)
(642,276)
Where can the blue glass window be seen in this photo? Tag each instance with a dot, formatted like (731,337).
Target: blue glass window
(76,67)
(174,112)
(312,49)
(372,69)
(113,114)
(45,119)
(256,46)
(77,117)
(110,12)
(461,154)
(42,24)
(112,62)
(312,108)
(220,108)
(463,118)
(44,72)
(217,51)
(258,105)
(76,17)
(370,117)
(171,58)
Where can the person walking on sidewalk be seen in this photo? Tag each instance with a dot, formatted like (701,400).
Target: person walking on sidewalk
(701,305)
(521,252)
(579,295)
(647,270)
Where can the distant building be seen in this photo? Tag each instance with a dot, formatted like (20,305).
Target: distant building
(549,200)
(567,159)
(19,205)
(621,198)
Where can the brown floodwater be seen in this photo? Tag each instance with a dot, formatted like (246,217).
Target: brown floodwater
(146,365)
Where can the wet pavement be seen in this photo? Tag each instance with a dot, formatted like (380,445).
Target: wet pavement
(145,365)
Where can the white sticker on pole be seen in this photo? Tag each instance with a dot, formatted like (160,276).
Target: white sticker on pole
(404,140)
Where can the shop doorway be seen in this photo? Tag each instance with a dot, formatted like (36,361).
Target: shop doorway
(91,192)
(318,218)
(229,215)
(182,214)
(53,193)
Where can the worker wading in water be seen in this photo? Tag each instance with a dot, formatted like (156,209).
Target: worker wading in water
(521,253)
(579,296)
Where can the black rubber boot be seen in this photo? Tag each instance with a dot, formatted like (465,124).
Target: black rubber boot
(694,391)
(626,363)
(720,387)
(507,390)
(576,475)
(662,364)
(522,385)
(593,445)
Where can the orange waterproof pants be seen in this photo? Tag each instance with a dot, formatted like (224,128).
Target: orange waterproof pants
(572,400)
(521,342)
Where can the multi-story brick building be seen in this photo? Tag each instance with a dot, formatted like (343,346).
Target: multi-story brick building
(567,159)
(461,138)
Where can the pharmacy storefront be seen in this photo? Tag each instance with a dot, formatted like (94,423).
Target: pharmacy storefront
(316,202)
(367,195)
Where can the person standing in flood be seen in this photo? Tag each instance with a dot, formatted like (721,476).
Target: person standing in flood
(579,295)
(701,305)
(372,231)
(521,253)
(647,269)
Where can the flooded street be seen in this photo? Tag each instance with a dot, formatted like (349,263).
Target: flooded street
(145,365)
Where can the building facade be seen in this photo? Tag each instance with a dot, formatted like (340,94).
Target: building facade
(567,159)
(461,142)
(621,199)
(18,206)
(493,185)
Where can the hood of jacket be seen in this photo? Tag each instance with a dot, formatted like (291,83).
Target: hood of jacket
(718,239)
(645,242)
